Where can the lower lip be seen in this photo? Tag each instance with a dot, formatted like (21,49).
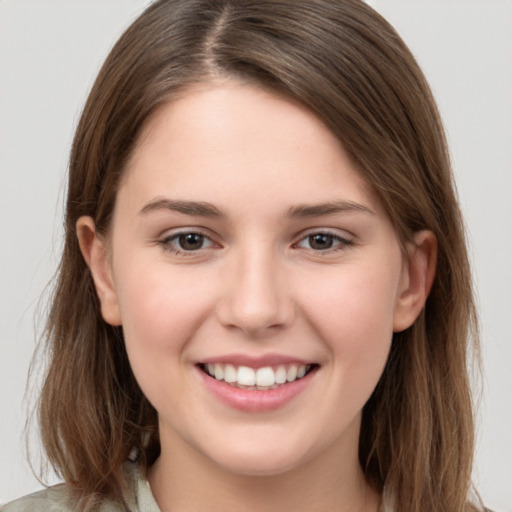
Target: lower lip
(249,400)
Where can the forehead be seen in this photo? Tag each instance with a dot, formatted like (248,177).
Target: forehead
(228,111)
(231,135)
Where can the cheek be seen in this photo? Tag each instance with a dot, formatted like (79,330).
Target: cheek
(358,299)
(353,315)
(353,312)
(160,311)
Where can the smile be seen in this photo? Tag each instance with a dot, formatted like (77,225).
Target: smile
(261,379)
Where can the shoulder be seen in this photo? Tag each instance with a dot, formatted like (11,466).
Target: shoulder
(53,499)
(59,499)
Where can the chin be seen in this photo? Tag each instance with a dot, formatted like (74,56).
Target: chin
(253,460)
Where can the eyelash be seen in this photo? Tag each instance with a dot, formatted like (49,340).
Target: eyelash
(167,242)
(340,243)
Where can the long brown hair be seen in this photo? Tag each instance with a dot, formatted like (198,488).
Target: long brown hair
(348,65)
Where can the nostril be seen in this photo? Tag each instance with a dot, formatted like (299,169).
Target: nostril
(255,317)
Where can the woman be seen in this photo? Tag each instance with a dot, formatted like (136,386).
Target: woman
(264,290)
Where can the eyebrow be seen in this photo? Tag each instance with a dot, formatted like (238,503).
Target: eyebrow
(196,208)
(204,209)
(330,208)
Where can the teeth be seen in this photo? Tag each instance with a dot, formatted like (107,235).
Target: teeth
(262,378)
(265,377)
(281,375)
(291,374)
(219,372)
(230,373)
(245,376)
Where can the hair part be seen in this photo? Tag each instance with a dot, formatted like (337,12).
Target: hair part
(347,65)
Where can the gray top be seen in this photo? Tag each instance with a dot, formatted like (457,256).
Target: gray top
(58,499)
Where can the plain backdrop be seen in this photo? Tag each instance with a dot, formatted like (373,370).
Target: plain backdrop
(50,51)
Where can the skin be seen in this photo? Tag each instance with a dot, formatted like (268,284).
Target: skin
(256,285)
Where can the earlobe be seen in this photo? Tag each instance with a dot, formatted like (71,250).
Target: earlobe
(417,279)
(95,253)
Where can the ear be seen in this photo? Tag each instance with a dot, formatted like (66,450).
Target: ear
(95,253)
(417,278)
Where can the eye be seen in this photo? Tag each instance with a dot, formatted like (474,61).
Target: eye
(323,241)
(189,241)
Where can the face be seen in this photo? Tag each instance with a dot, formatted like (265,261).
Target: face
(257,279)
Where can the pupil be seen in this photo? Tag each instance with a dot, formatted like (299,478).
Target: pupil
(191,241)
(321,241)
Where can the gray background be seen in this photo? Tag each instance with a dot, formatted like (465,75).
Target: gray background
(50,51)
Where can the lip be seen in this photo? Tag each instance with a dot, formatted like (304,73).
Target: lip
(253,401)
(255,361)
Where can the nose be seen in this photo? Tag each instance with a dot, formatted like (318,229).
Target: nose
(256,298)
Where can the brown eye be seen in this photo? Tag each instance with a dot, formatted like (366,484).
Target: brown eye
(186,242)
(190,241)
(321,241)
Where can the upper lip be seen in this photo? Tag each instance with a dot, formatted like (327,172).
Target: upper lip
(253,361)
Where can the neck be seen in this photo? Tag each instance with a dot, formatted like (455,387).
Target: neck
(187,481)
